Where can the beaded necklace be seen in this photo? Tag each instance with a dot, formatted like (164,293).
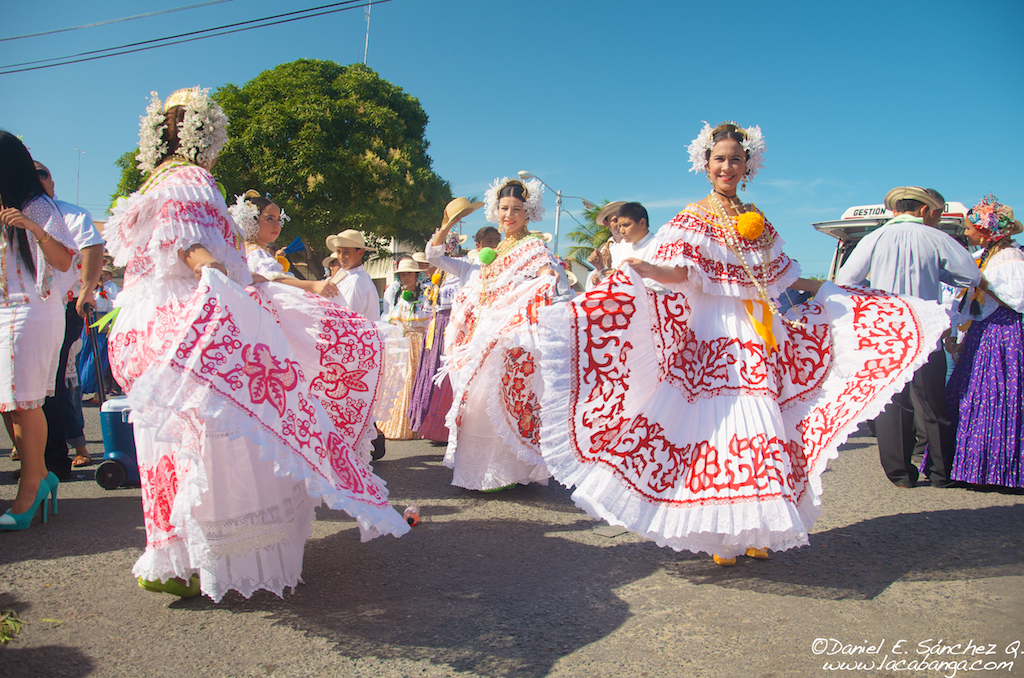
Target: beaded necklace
(728,226)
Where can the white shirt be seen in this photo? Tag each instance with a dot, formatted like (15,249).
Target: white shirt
(907,257)
(358,293)
(85,233)
(643,249)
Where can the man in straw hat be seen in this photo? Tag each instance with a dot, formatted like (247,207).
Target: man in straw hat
(356,290)
(601,258)
(909,257)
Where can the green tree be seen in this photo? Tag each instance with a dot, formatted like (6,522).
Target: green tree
(131,177)
(336,147)
(587,236)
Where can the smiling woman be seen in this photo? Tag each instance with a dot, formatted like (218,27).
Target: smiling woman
(701,417)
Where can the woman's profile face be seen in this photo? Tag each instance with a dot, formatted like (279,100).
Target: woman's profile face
(726,166)
(975,236)
(270,224)
(512,215)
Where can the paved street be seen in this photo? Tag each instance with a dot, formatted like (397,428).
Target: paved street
(519,584)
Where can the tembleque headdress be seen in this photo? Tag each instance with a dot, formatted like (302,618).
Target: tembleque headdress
(753,144)
(534,194)
(993,218)
(247,216)
(201,135)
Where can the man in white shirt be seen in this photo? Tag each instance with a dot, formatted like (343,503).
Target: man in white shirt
(356,290)
(908,257)
(58,406)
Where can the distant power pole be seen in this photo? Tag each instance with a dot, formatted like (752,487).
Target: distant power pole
(366,48)
(78,180)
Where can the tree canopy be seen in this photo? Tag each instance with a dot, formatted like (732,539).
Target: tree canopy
(335,146)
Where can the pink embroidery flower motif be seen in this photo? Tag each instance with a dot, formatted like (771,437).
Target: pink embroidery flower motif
(161,489)
(336,381)
(268,381)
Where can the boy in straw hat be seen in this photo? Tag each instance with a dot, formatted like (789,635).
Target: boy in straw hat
(601,258)
(909,257)
(356,290)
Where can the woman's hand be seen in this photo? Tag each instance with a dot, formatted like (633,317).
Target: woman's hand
(198,257)
(806,285)
(325,288)
(546,270)
(55,253)
(669,275)
(280,253)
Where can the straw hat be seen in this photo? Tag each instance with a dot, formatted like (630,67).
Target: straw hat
(107,268)
(457,209)
(326,263)
(408,266)
(546,237)
(608,210)
(911,193)
(348,238)
(421,259)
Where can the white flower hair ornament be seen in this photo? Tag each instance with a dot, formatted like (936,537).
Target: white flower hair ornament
(534,198)
(201,134)
(753,144)
(246,217)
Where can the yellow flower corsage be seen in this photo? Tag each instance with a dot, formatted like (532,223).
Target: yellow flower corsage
(750,225)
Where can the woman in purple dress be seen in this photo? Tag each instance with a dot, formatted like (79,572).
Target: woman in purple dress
(986,390)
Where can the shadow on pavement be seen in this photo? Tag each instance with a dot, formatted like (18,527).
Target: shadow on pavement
(506,598)
(51,661)
(860,561)
(83,527)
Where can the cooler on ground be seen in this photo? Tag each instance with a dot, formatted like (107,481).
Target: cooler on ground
(119,466)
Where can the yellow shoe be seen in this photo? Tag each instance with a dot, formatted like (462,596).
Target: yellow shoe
(724,562)
(761,554)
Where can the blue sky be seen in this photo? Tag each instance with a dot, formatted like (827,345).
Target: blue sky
(597,98)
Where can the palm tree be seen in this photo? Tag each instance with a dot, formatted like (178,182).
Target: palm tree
(588,236)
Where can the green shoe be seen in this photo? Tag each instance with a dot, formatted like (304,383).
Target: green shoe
(500,489)
(173,586)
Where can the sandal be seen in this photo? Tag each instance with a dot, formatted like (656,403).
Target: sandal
(14,454)
(81,460)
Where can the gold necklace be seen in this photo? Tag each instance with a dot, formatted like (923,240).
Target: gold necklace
(726,223)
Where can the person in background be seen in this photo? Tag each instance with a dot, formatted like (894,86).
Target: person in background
(356,290)
(63,407)
(601,258)
(907,257)
(35,244)
(986,391)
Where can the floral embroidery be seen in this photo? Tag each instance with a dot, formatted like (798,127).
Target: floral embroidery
(268,381)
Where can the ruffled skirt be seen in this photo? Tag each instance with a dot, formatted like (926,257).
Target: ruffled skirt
(671,418)
(250,406)
(494,423)
(985,396)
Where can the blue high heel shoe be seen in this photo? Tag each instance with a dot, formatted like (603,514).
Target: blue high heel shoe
(21,521)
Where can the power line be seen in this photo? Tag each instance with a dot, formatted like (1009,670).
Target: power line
(171,40)
(114,21)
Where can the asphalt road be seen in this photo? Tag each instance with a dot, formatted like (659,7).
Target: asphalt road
(519,584)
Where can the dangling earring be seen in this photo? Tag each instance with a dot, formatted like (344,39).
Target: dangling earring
(707,175)
(743,184)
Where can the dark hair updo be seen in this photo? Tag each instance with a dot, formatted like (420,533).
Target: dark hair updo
(253,197)
(19,186)
(514,189)
(727,130)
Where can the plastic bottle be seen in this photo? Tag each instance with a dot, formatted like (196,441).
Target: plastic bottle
(412,514)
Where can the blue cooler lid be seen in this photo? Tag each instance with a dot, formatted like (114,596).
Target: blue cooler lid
(118,404)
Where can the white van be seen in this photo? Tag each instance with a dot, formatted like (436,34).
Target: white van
(858,221)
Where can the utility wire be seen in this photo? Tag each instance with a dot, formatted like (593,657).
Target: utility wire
(171,40)
(114,21)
